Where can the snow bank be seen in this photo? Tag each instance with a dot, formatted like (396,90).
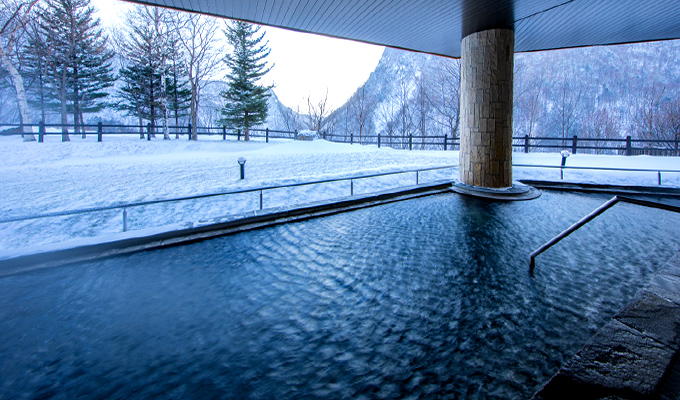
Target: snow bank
(54,176)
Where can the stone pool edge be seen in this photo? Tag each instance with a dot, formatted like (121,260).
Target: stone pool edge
(136,242)
(635,355)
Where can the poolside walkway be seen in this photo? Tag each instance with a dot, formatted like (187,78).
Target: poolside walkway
(634,355)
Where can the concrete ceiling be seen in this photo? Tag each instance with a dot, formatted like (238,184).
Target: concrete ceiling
(437,26)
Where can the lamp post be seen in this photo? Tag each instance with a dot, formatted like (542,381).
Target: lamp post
(565,155)
(242,163)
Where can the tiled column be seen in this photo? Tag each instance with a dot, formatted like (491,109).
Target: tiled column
(486,108)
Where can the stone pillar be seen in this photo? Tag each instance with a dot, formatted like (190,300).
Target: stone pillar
(487,60)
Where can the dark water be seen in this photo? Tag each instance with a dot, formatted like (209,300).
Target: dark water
(427,298)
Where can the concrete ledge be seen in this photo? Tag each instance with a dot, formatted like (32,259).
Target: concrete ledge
(219,227)
(633,356)
(612,189)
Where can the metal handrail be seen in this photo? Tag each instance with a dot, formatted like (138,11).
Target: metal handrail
(562,168)
(609,204)
(125,206)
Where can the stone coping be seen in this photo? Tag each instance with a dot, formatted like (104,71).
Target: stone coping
(601,188)
(517,192)
(634,355)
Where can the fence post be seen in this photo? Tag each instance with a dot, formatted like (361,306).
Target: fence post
(351,138)
(296,134)
(659,178)
(410,142)
(238,138)
(526,143)
(224,133)
(100,131)
(446,142)
(574,144)
(148,131)
(189,132)
(267,135)
(41,132)
(378,140)
(629,146)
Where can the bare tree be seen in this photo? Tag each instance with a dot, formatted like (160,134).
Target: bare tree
(646,112)
(566,104)
(602,124)
(404,113)
(14,16)
(196,34)
(528,98)
(444,96)
(317,114)
(362,110)
(387,119)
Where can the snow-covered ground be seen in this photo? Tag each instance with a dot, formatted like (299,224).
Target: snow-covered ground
(37,178)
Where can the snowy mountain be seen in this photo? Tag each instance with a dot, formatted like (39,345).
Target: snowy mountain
(594,91)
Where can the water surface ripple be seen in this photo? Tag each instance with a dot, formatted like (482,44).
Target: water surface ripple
(427,298)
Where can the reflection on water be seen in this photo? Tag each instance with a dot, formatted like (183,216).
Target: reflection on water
(427,298)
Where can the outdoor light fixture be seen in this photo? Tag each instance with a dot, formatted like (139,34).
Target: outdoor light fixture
(242,163)
(565,154)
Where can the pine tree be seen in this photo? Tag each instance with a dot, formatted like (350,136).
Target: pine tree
(246,101)
(146,50)
(77,56)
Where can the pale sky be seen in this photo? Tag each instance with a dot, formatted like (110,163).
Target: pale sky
(305,64)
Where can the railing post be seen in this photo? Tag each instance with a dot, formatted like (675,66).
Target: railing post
(410,142)
(446,142)
(296,134)
(100,131)
(351,187)
(378,140)
(41,132)
(574,144)
(124,219)
(224,133)
(526,143)
(629,146)
(659,178)
(351,138)
(261,200)
(267,135)
(238,138)
(417,178)
(189,131)
(148,131)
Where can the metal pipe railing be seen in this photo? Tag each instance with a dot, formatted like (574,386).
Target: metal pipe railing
(126,206)
(606,206)
(562,168)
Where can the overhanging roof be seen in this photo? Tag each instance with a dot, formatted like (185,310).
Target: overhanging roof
(437,26)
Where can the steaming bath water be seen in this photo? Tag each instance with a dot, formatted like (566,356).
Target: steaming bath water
(426,298)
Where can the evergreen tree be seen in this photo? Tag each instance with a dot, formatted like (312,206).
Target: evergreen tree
(77,57)
(246,101)
(146,49)
(177,86)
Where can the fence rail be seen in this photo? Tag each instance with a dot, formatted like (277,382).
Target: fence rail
(147,131)
(619,146)
(562,168)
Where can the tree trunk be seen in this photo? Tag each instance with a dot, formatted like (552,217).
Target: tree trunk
(17,80)
(64,115)
(193,105)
